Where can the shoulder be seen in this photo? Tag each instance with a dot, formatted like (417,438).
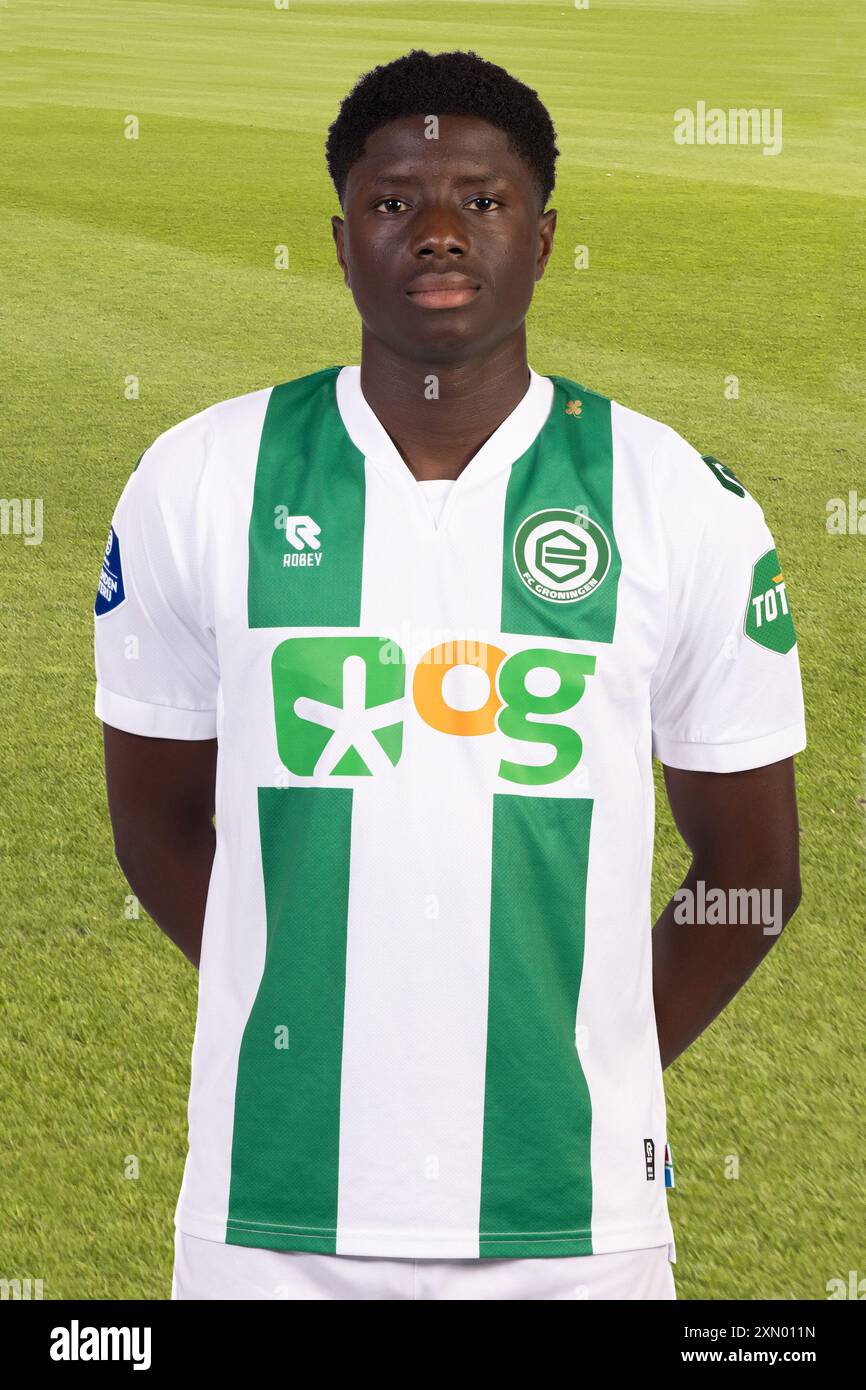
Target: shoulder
(687,482)
(701,502)
(176,464)
(635,437)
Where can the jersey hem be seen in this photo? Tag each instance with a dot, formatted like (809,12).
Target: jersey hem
(730,757)
(153,721)
(405,1245)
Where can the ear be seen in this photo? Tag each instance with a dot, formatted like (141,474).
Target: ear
(338,231)
(546,230)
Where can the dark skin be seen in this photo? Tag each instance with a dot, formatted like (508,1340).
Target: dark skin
(464,203)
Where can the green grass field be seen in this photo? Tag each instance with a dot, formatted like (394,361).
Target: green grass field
(154,259)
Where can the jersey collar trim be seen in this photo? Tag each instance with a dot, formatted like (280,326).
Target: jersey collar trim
(507,443)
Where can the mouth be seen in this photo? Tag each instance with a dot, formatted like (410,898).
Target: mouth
(449,291)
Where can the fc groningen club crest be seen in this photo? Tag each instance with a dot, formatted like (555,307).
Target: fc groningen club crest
(561,556)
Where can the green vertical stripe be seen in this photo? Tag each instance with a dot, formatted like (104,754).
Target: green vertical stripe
(568,467)
(308,467)
(536,1180)
(285,1153)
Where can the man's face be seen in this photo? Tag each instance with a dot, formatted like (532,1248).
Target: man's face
(464,207)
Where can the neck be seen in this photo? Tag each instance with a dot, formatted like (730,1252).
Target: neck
(440,414)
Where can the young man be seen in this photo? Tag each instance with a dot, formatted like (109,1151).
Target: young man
(437,613)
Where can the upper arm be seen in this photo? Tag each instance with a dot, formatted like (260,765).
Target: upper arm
(726,694)
(157,788)
(727,702)
(740,823)
(156,660)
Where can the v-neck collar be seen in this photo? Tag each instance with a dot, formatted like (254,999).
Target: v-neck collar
(511,439)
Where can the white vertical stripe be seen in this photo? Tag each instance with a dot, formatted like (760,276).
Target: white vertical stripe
(616,1033)
(235,929)
(414,1050)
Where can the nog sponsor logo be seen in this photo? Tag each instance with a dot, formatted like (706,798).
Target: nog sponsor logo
(339,703)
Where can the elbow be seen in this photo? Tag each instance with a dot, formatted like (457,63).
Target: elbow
(128,851)
(792,895)
(788,871)
(124,856)
(787,891)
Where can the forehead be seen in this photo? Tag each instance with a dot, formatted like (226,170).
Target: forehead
(463,145)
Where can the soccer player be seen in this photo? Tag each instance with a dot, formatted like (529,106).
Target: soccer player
(384,654)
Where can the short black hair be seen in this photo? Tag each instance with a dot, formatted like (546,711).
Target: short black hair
(443,84)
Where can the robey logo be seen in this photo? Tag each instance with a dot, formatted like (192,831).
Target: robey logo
(302,534)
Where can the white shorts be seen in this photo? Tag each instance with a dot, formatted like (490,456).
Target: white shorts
(208,1269)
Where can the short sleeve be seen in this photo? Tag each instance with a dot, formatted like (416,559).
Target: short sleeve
(726,694)
(156,662)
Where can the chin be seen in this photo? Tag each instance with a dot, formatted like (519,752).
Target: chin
(444,343)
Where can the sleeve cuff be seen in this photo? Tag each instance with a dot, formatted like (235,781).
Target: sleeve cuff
(153,721)
(730,757)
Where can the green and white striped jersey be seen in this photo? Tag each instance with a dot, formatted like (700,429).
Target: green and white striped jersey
(425,1022)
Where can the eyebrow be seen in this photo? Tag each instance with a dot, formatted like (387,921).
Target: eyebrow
(481,177)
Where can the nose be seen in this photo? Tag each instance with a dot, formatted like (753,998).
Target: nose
(439,232)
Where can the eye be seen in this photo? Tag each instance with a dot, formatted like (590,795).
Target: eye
(384,201)
(482,198)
